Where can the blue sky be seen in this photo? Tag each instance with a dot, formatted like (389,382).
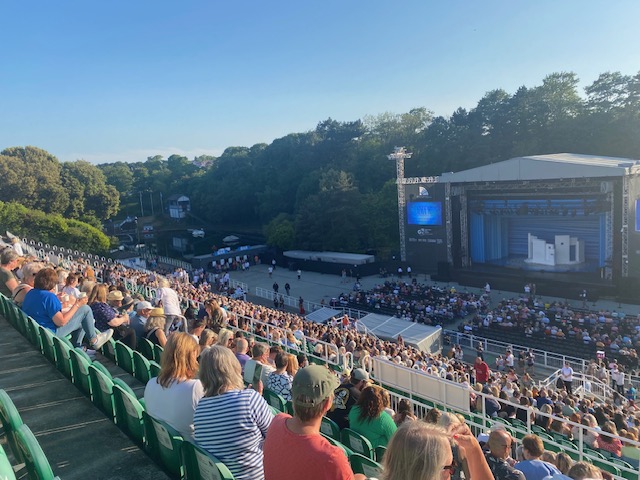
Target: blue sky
(123,80)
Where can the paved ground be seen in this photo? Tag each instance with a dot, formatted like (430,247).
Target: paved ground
(318,286)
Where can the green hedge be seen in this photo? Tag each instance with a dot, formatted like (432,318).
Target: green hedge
(52,229)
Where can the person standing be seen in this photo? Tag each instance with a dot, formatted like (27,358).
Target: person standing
(299,274)
(482,370)
(567,377)
(287,288)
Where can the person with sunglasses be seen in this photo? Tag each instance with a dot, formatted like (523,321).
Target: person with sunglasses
(422,451)
(499,451)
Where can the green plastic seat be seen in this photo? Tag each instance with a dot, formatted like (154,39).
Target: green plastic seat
(154,368)
(6,470)
(275,400)
(34,458)
(613,469)
(142,367)
(33,333)
(80,362)
(157,353)
(102,388)
(63,358)
(379,453)
(356,442)
(124,386)
(200,464)
(124,357)
(11,421)
(330,428)
(129,414)
(164,444)
(361,464)
(101,367)
(145,347)
(109,349)
(46,336)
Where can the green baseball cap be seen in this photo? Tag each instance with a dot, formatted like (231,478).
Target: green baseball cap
(313,385)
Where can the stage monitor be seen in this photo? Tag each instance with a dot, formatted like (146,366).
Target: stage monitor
(424,213)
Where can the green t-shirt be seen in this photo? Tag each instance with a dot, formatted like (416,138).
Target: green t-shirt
(377,430)
(5,276)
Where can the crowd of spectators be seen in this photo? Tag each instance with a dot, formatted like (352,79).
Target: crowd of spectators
(613,333)
(244,433)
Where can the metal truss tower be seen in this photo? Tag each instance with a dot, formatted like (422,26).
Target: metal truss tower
(399,155)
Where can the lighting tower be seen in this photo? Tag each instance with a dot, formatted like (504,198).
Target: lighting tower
(399,154)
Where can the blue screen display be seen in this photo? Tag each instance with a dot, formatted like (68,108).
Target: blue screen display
(424,213)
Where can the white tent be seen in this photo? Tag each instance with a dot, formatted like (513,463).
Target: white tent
(323,314)
(423,337)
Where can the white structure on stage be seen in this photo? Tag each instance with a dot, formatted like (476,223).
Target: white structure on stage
(566,250)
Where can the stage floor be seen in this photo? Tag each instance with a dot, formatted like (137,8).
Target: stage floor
(521,264)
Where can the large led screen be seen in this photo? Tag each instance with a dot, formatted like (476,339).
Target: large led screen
(424,213)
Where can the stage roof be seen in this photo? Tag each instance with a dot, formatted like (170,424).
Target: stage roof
(422,336)
(546,167)
(331,257)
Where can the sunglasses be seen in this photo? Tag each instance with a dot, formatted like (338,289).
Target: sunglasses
(452,468)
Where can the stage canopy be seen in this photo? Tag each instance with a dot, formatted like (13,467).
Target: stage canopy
(323,314)
(330,257)
(423,337)
(545,167)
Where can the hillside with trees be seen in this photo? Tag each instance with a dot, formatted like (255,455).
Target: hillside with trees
(333,187)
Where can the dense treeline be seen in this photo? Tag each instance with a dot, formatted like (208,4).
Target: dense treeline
(333,187)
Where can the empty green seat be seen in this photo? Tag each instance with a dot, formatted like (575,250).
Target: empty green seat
(356,442)
(346,450)
(142,367)
(34,458)
(6,470)
(154,368)
(361,464)
(102,388)
(129,414)
(80,362)
(164,444)
(63,358)
(275,400)
(201,465)
(11,421)
(124,386)
(46,337)
(145,347)
(109,349)
(379,453)
(330,428)
(124,357)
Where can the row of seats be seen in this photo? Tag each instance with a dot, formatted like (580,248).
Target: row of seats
(117,401)
(23,444)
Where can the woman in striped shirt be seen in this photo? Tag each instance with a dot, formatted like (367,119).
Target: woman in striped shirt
(231,422)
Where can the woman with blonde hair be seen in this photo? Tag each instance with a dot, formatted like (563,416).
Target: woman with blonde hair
(450,422)
(207,338)
(173,395)
(422,451)
(225,338)
(564,462)
(154,328)
(231,423)
(292,365)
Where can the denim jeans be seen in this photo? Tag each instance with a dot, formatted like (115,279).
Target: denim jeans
(78,326)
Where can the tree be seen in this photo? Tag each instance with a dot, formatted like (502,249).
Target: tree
(280,232)
(119,175)
(88,191)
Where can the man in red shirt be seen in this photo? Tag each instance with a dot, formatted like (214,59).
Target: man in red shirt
(482,370)
(294,447)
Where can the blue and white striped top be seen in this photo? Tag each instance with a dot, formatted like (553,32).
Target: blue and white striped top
(232,426)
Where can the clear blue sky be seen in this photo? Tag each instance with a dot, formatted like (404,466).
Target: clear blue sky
(126,79)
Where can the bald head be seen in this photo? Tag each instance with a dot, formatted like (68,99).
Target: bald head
(500,443)
(242,346)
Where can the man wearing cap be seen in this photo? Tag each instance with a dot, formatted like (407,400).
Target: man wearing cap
(294,447)
(139,320)
(346,396)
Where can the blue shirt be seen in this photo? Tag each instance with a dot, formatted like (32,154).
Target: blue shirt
(536,469)
(42,305)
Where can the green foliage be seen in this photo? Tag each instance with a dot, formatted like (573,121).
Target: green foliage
(52,228)
(280,232)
